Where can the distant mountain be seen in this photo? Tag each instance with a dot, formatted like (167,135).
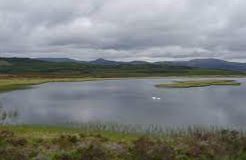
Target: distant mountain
(57,59)
(138,62)
(212,64)
(101,61)
(107,68)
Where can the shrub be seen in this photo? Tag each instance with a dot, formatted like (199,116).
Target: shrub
(146,149)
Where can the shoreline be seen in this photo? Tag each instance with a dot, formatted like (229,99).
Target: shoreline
(198,83)
(16,83)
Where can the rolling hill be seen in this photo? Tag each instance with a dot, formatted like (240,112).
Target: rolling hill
(212,64)
(106,68)
(197,63)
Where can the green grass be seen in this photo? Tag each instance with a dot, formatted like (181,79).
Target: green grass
(198,83)
(8,84)
(68,143)
(52,131)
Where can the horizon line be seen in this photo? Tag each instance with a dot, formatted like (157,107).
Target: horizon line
(80,60)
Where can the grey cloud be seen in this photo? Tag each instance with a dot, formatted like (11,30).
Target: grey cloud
(123,30)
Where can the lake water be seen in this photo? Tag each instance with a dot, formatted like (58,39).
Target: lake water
(128,101)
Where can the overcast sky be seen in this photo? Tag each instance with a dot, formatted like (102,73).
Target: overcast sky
(125,30)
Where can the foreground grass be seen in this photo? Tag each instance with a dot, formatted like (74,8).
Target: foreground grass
(61,143)
(199,83)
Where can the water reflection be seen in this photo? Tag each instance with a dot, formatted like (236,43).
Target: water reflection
(128,102)
(7,116)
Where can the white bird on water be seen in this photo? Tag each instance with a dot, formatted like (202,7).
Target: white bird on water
(156,98)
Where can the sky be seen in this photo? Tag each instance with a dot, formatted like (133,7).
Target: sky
(150,30)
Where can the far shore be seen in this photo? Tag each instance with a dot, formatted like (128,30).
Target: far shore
(8,83)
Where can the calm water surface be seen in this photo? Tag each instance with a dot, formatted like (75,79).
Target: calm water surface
(129,102)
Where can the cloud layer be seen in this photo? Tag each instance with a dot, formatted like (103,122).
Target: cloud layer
(124,29)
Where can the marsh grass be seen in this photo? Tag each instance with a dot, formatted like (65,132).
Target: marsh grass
(126,129)
(7,115)
(115,142)
(198,83)
(14,83)
(8,84)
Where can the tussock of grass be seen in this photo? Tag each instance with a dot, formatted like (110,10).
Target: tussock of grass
(199,83)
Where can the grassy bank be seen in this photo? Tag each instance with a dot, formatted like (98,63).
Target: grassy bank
(8,84)
(198,83)
(13,83)
(59,143)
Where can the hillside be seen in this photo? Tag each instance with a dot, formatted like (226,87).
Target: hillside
(56,59)
(212,64)
(209,63)
(100,68)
